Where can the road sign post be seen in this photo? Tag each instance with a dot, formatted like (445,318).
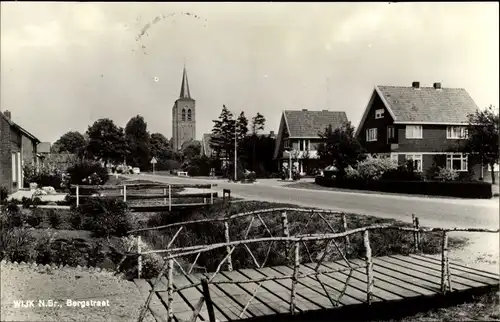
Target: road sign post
(153,162)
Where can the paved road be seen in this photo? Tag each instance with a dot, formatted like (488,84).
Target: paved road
(437,212)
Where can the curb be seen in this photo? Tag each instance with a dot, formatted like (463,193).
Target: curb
(78,268)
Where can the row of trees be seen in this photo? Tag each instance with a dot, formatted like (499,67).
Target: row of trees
(342,149)
(110,143)
(230,133)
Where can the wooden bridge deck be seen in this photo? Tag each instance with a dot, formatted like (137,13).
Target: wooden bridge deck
(396,278)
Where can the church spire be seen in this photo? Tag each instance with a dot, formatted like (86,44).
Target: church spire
(185,85)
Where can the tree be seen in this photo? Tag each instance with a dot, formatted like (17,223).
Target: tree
(137,138)
(258,124)
(191,151)
(71,142)
(341,148)
(106,141)
(483,132)
(159,147)
(223,133)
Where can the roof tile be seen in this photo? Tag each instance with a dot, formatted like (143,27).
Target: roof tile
(310,123)
(448,105)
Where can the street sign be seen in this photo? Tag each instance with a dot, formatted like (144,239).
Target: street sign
(153,160)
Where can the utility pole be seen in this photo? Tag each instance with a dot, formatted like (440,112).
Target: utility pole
(235,152)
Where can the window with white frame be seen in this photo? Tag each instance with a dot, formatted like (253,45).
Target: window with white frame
(457,161)
(379,113)
(456,132)
(371,135)
(414,131)
(417,161)
(390,133)
(394,157)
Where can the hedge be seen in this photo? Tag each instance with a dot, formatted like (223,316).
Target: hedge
(462,189)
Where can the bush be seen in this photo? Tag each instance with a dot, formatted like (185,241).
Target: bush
(17,245)
(45,176)
(36,218)
(404,172)
(87,172)
(104,217)
(4,193)
(374,168)
(445,174)
(11,216)
(351,173)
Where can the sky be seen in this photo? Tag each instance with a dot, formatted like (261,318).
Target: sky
(64,65)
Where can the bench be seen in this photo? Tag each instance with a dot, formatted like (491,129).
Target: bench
(182,174)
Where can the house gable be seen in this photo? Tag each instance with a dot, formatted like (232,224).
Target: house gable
(282,133)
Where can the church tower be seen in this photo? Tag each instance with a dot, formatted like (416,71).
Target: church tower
(183,116)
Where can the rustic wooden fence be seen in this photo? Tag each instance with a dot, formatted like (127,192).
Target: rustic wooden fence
(128,192)
(291,242)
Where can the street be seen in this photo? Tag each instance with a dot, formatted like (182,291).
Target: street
(432,212)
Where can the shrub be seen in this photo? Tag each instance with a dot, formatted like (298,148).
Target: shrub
(11,215)
(87,172)
(103,216)
(445,174)
(17,244)
(351,173)
(54,219)
(36,218)
(374,168)
(4,193)
(45,176)
(404,172)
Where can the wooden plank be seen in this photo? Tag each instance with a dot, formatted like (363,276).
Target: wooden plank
(464,278)
(238,295)
(410,283)
(269,301)
(155,306)
(221,301)
(381,289)
(179,307)
(309,298)
(417,278)
(313,283)
(192,296)
(276,289)
(419,272)
(458,267)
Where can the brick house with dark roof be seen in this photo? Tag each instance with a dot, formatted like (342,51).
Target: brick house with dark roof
(425,124)
(17,147)
(299,133)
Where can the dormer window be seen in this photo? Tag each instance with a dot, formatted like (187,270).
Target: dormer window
(379,113)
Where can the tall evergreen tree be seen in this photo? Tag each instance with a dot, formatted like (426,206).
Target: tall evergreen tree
(137,138)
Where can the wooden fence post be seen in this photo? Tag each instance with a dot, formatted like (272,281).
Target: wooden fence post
(139,258)
(228,248)
(169,197)
(211,195)
(170,290)
(347,241)
(286,232)
(369,267)
(295,276)
(77,195)
(165,194)
(208,300)
(125,193)
(445,265)
(415,243)
(417,226)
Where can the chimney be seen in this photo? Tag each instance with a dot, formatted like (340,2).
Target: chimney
(7,114)
(415,85)
(437,85)
(304,110)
